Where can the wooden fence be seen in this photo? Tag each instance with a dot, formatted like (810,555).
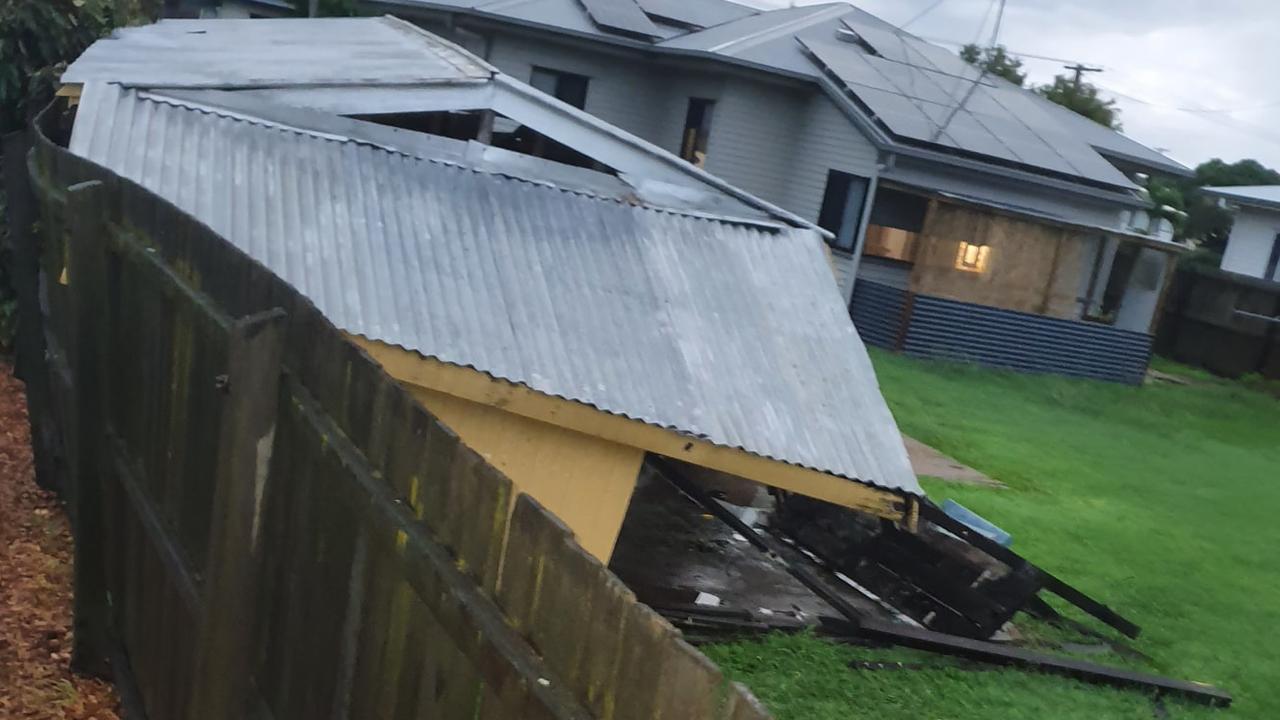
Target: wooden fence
(1226,323)
(268,526)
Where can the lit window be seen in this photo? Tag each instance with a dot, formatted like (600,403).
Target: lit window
(973,257)
(697,130)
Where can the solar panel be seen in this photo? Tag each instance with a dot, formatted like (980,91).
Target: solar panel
(623,16)
(969,133)
(916,102)
(1076,153)
(900,114)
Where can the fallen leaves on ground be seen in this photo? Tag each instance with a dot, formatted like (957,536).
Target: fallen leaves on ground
(36,682)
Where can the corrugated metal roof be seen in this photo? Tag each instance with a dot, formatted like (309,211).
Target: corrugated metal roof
(302,51)
(719,330)
(1267,196)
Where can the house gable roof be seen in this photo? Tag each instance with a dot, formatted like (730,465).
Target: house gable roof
(992,120)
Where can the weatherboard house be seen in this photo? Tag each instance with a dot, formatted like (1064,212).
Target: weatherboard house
(1253,248)
(568,323)
(969,218)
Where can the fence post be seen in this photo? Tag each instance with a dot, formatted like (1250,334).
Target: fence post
(246,438)
(86,271)
(904,322)
(24,274)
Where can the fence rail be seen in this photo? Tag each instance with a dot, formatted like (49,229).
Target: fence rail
(268,526)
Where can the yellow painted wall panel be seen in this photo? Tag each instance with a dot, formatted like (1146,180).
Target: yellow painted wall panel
(586,481)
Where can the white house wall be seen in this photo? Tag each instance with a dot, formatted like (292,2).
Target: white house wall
(1138,307)
(1249,247)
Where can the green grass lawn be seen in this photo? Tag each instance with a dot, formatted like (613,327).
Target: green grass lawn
(1161,501)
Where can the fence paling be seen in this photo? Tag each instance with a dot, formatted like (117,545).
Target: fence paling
(87,263)
(244,455)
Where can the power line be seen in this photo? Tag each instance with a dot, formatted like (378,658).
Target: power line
(995,37)
(921,14)
(957,43)
(995,33)
(1190,109)
(982,25)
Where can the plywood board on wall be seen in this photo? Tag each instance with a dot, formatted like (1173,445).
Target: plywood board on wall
(1031,266)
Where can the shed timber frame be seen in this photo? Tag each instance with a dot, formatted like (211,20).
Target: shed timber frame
(475,386)
(268,526)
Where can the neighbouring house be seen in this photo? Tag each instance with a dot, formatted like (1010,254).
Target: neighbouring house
(979,220)
(566,297)
(1253,248)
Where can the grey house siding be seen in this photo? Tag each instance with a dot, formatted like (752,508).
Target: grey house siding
(621,92)
(679,84)
(826,141)
(772,140)
(754,139)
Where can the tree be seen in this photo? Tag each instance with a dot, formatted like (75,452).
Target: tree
(1082,98)
(39,37)
(1167,193)
(37,40)
(995,60)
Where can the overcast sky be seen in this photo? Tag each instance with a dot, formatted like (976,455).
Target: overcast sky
(1161,59)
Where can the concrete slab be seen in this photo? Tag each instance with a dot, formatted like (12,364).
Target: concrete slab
(929,462)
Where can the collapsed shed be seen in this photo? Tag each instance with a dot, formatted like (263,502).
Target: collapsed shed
(564,321)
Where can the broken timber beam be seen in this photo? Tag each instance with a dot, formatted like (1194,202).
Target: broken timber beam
(988,652)
(935,515)
(673,475)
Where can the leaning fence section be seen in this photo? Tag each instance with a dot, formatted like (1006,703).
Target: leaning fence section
(1223,322)
(268,526)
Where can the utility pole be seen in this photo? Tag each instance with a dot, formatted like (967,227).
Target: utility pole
(1079,69)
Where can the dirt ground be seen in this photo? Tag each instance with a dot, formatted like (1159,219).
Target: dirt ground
(36,682)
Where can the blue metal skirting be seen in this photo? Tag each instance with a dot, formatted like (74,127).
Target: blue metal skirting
(993,337)
(877,312)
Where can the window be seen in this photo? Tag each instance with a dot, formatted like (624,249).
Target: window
(564,86)
(901,210)
(697,130)
(896,220)
(841,211)
(1273,261)
(973,257)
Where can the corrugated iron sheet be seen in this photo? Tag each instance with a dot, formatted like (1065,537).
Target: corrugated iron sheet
(1025,342)
(965,332)
(718,330)
(877,311)
(377,51)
